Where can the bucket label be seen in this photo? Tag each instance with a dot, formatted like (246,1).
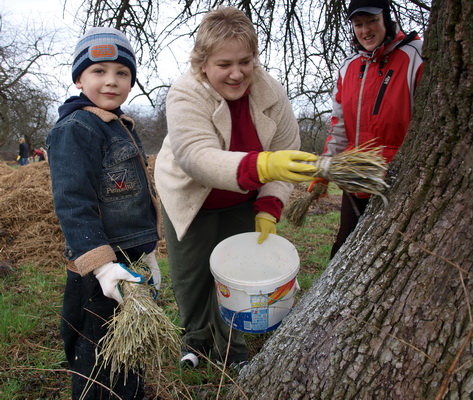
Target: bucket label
(222,289)
(259,301)
(259,319)
(255,313)
(259,312)
(281,292)
(256,321)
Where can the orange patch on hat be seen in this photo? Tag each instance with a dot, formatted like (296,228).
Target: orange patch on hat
(103,51)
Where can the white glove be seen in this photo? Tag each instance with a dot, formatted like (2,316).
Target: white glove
(110,275)
(152,263)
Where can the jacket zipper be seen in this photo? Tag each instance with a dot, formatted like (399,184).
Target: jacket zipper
(364,73)
(382,90)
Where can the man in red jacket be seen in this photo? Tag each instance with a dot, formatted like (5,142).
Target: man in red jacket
(373,98)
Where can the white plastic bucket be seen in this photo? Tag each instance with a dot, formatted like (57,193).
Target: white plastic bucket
(255,283)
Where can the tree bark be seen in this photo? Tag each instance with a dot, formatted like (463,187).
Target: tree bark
(391,316)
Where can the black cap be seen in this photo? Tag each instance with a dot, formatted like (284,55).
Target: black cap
(367,6)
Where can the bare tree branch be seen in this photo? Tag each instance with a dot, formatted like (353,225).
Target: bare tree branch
(302,42)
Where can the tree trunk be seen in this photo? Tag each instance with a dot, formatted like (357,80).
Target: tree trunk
(391,316)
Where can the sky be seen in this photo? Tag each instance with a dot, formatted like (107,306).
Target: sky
(49,9)
(49,14)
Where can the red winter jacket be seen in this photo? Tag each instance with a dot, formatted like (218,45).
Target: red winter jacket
(374,96)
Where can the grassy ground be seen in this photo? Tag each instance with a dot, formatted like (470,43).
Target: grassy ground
(32,363)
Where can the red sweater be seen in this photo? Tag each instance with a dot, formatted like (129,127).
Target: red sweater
(244,139)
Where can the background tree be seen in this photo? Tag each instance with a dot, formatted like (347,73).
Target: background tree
(313,133)
(391,316)
(302,42)
(150,122)
(25,88)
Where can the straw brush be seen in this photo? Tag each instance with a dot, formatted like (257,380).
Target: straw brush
(361,169)
(140,335)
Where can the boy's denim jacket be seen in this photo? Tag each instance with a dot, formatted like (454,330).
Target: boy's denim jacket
(100,188)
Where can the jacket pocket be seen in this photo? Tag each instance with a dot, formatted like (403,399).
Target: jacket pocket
(120,176)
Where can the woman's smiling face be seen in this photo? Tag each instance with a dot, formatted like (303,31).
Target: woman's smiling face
(230,69)
(369,30)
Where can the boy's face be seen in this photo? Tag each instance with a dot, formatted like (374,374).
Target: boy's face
(106,84)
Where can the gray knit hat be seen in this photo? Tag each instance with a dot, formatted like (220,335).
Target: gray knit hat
(103,44)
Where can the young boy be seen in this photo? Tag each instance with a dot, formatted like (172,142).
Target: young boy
(106,205)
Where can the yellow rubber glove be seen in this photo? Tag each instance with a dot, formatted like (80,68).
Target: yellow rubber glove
(283,166)
(266,224)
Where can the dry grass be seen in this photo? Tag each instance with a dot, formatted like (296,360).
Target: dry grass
(29,229)
(361,169)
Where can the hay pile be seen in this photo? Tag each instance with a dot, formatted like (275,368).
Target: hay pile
(29,229)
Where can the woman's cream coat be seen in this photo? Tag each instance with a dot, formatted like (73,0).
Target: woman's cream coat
(194,157)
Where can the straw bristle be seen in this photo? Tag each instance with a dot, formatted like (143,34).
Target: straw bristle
(296,211)
(140,335)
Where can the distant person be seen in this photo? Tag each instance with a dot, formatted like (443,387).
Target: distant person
(40,153)
(374,95)
(232,138)
(105,203)
(23,152)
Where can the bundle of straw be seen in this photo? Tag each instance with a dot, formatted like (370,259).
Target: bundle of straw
(361,169)
(296,211)
(140,335)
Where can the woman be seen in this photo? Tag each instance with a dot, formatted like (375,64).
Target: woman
(374,96)
(23,152)
(217,172)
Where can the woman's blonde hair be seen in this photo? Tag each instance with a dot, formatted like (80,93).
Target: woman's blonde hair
(216,29)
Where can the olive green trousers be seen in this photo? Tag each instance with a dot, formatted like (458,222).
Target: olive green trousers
(194,286)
